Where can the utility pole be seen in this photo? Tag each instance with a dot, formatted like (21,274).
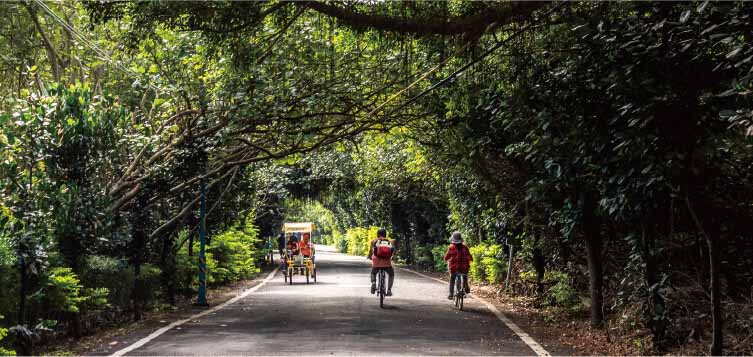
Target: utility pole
(202,298)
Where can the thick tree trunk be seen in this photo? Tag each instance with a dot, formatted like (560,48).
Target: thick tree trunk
(594,244)
(167,267)
(596,278)
(655,308)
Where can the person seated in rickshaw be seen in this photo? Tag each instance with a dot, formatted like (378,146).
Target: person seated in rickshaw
(306,247)
(292,246)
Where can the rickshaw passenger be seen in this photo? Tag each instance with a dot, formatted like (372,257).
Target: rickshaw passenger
(292,245)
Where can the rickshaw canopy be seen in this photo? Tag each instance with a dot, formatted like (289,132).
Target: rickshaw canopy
(295,227)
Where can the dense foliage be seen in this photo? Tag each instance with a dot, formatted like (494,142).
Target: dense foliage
(599,158)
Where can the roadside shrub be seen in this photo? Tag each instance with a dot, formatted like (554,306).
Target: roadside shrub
(438,255)
(231,256)
(477,268)
(563,294)
(423,257)
(233,253)
(3,333)
(151,276)
(61,291)
(342,245)
(112,274)
(8,273)
(358,239)
(493,263)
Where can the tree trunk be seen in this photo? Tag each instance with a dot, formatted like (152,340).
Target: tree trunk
(594,243)
(596,278)
(22,292)
(716,304)
(656,306)
(717,339)
(539,264)
(167,267)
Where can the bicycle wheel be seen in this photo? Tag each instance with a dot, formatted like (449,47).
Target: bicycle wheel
(290,276)
(459,291)
(308,273)
(382,291)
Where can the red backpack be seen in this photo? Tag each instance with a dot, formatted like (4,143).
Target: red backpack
(383,248)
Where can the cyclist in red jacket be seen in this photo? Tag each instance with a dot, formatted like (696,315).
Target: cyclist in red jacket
(459,260)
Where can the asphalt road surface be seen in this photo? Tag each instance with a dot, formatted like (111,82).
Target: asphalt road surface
(339,316)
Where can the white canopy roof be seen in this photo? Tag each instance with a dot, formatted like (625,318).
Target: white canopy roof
(298,227)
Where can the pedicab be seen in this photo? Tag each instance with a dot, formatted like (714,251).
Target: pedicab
(299,251)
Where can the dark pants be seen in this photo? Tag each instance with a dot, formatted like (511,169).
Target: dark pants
(452,283)
(390,271)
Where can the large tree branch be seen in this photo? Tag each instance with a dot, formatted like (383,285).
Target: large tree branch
(428,25)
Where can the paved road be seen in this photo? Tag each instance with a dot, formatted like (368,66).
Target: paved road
(339,316)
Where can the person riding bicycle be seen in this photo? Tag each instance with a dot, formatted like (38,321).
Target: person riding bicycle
(459,259)
(381,250)
(306,247)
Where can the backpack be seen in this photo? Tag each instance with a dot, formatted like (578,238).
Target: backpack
(383,248)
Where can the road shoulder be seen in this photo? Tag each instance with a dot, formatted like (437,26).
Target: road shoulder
(111,340)
(547,338)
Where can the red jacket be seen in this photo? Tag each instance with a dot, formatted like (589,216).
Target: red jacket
(458,259)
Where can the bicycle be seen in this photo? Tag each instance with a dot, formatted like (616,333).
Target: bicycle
(460,279)
(381,290)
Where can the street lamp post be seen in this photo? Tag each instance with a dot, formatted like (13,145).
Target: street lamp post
(202,298)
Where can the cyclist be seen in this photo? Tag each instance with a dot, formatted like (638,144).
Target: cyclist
(459,260)
(381,250)
(306,247)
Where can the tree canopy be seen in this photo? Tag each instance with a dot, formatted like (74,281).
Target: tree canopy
(607,145)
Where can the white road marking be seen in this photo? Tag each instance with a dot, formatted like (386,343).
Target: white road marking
(535,346)
(159,332)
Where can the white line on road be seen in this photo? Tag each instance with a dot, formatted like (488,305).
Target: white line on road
(159,332)
(535,346)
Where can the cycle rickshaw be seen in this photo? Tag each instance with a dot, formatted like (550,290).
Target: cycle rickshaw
(299,251)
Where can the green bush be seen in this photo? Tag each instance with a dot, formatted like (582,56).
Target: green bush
(562,293)
(231,256)
(438,256)
(477,268)
(9,277)
(423,256)
(151,276)
(493,263)
(3,333)
(112,274)
(233,253)
(61,291)
(358,239)
(342,245)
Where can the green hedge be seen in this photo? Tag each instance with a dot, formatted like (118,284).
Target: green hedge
(231,256)
(358,239)
(438,255)
(489,263)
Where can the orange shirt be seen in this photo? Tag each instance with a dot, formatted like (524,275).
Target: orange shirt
(305,247)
